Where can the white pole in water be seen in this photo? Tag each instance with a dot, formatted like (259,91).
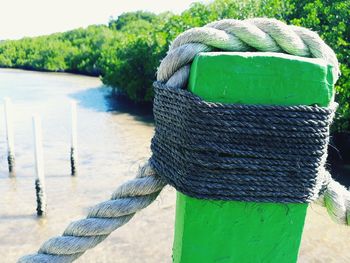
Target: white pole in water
(74,139)
(39,166)
(9,135)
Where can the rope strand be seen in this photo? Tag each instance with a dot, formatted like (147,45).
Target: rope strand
(261,34)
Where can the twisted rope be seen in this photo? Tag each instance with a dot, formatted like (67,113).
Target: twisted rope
(195,148)
(102,220)
(336,199)
(259,34)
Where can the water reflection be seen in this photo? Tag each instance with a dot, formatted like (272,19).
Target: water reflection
(102,99)
(92,98)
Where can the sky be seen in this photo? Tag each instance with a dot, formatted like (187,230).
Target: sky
(20,18)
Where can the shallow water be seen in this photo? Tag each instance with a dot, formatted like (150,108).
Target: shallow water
(113,141)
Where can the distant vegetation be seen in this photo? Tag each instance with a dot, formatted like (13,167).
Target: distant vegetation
(127,52)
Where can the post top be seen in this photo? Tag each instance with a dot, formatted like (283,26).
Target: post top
(261,78)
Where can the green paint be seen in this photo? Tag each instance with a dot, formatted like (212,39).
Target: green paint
(220,231)
(231,231)
(261,78)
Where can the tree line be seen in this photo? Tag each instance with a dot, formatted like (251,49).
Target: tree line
(126,52)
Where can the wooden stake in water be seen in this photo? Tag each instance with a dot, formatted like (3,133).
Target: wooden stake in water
(9,136)
(39,166)
(73,149)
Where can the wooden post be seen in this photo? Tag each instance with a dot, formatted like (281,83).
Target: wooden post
(74,139)
(39,166)
(248,232)
(9,136)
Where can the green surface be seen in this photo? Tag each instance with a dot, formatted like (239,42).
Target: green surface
(231,231)
(261,78)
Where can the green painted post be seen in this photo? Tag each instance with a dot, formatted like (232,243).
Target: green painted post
(232,231)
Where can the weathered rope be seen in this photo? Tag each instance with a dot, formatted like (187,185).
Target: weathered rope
(239,152)
(260,34)
(102,219)
(256,34)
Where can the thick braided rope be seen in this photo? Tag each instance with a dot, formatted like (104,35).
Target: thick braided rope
(336,199)
(102,219)
(260,34)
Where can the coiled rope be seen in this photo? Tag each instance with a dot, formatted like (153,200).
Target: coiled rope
(258,34)
(253,153)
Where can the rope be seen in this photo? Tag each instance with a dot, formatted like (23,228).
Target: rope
(195,148)
(259,34)
(102,220)
(336,199)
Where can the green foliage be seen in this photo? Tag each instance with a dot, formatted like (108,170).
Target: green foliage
(35,53)
(127,52)
(134,70)
(330,18)
(75,51)
(129,17)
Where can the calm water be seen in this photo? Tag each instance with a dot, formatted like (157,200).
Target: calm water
(112,144)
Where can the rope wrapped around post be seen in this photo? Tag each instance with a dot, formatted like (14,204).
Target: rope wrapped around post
(259,34)
(253,153)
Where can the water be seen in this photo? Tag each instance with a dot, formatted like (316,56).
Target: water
(113,141)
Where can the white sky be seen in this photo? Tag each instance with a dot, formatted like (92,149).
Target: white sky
(19,18)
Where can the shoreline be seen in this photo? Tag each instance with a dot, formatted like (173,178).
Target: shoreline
(51,72)
(118,101)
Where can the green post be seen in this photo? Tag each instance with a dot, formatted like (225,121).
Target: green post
(208,231)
